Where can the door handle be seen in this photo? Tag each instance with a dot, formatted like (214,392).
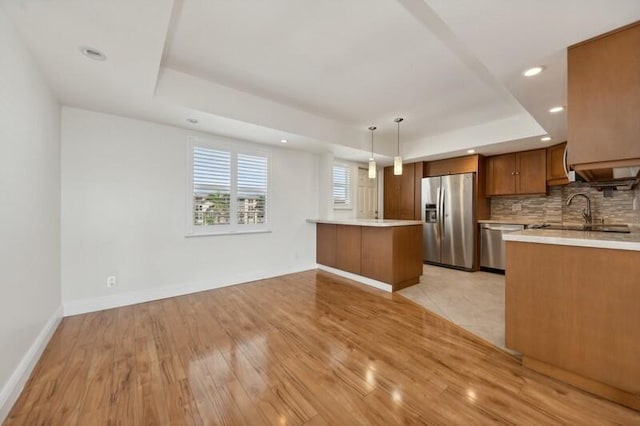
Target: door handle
(442,211)
(565,159)
(438,218)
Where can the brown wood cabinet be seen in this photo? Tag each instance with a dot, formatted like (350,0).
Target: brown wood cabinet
(390,254)
(517,174)
(603,95)
(555,165)
(573,314)
(391,189)
(339,246)
(451,166)
(402,192)
(326,244)
(348,248)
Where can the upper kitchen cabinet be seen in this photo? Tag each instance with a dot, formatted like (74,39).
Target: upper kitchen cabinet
(402,192)
(556,174)
(603,94)
(520,173)
(451,166)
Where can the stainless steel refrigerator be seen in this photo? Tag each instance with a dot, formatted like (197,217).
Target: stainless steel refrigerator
(447,219)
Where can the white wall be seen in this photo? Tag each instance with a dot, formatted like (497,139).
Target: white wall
(325,196)
(124,213)
(29,212)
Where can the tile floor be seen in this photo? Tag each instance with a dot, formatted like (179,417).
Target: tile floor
(472,300)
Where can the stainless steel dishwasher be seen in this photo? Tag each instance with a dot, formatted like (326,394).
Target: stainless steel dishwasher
(492,245)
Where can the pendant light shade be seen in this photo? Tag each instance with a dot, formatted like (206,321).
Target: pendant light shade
(397,165)
(397,160)
(372,162)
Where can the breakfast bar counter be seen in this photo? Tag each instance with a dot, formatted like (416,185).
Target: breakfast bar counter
(386,254)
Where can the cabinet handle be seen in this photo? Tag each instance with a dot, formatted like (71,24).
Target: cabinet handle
(517,173)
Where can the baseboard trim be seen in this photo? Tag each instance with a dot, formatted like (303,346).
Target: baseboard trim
(83,306)
(359,278)
(12,389)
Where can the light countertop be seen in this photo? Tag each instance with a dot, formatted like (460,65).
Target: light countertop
(608,240)
(513,221)
(367,222)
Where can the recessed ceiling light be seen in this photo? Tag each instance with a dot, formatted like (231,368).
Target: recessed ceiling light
(284,140)
(192,121)
(545,138)
(93,53)
(471,151)
(556,109)
(532,71)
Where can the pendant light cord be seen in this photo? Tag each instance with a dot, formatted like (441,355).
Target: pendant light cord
(398,120)
(372,128)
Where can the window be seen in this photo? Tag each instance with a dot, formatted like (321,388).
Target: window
(228,190)
(252,188)
(341,186)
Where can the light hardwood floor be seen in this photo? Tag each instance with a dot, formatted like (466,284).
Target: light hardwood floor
(308,348)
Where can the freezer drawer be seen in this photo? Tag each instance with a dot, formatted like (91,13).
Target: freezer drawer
(492,245)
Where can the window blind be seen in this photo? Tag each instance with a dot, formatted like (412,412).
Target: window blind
(211,186)
(252,188)
(341,185)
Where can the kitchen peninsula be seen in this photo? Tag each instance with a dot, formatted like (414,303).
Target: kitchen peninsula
(386,254)
(572,308)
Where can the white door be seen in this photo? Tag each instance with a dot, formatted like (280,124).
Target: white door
(367,200)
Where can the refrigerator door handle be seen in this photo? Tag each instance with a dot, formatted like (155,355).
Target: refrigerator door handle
(438,217)
(442,195)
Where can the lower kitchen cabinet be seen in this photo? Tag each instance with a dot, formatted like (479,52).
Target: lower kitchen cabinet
(326,244)
(389,254)
(572,312)
(348,248)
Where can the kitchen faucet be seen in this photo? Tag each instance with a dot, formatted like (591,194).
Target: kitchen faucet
(586,213)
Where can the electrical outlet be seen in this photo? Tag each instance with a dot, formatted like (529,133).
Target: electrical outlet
(516,207)
(111,281)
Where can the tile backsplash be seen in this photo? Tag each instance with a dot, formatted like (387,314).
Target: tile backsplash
(553,207)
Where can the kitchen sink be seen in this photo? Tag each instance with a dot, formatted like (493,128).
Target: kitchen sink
(594,227)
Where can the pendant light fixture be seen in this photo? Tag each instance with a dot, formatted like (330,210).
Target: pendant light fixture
(372,162)
(397,160)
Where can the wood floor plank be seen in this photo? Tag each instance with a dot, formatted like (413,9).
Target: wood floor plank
(151,394)
(308,348)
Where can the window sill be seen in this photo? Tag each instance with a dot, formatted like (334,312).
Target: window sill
(218,233)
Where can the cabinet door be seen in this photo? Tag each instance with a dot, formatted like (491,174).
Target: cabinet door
(467,164)
(531,172)
(555,165)
(326,244)
(501,175)
(407,195)
(603,95)
(348,248)
(418,172)
(390,200)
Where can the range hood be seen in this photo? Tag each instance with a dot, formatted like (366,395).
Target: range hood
(620,178)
